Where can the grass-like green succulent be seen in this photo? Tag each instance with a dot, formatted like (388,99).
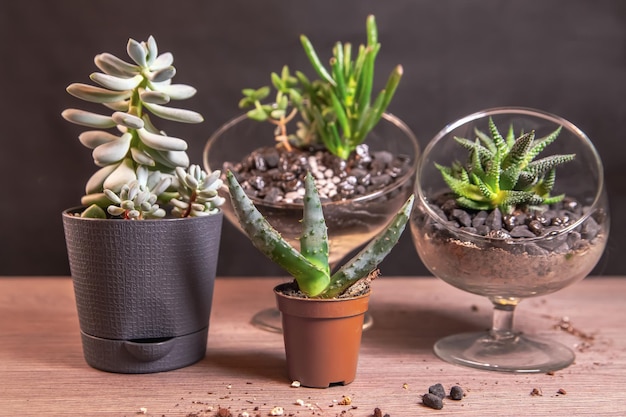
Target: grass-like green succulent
(138,162)
(336,110)
(501,171)
(309,266)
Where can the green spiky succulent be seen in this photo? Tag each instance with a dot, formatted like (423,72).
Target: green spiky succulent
(502,171)
(309,266)
(336,110)
(127,147)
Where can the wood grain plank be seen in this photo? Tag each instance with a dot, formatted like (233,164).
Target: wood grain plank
(42,371)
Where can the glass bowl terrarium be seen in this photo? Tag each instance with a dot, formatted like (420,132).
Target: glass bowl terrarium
(510,204)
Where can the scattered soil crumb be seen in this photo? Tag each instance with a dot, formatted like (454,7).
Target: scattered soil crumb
(405,386)
(345,400)
(223,412)
(362,286)
(561,391)
(433,401)
(586,339)
(379,413)
(566,325)
(456,393)
(536,392)
(277,411)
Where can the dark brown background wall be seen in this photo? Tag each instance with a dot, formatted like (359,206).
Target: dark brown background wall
(564,56)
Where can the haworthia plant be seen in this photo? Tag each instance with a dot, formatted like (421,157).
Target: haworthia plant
(309,266)
(129,149)
(336,110)
(501,171)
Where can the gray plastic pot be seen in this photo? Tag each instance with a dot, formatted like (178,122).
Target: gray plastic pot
(143,289)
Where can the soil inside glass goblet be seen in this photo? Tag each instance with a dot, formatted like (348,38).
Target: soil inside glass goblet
(276,175)
(517,255)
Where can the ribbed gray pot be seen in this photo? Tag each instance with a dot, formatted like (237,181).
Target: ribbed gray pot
(143,289)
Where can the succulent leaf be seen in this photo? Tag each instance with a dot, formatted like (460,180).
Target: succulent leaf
(518,151)
(127,120)
(541,144)
(115,83)
(152,49)
(544,165)
(162,61)
(112,65)
(154,97)
(371,255)
(161,142)
(93,138)
(137,52)
(95,183)
(175,114)
(111,152)
(162,75)
(96,94)
(310,278)
(121,175)
(85,118)
(177,91)
(314,238)
(94,211)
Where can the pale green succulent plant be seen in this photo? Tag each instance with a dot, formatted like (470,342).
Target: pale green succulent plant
(501,171)
(336,111)
(309,266)
(129,149)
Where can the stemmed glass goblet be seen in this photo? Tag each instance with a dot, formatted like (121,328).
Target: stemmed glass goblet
(508,269)
(351,222)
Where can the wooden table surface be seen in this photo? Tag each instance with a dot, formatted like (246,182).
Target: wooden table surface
(42,371)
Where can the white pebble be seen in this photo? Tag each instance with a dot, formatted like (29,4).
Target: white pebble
(277,411)
(291,196)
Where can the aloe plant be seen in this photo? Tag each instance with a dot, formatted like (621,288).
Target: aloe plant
(501,171)
(309,266)
(336,110)
(138,163)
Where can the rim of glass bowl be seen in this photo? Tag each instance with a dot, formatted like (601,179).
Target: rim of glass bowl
(511,110)
(396,184)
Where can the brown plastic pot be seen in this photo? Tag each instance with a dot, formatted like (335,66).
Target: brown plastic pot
(322,337)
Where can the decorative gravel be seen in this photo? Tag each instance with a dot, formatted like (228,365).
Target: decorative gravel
(275,175)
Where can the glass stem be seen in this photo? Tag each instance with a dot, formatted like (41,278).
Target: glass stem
(502,322)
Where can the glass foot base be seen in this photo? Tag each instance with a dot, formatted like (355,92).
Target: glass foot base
(270,320)
(521,353)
